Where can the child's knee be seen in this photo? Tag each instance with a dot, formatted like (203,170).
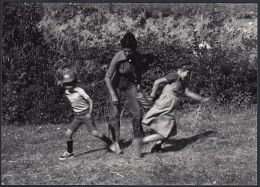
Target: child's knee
(68,134)
(96,133)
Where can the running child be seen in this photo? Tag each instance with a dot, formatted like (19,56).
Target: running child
(161,117)
(82,105)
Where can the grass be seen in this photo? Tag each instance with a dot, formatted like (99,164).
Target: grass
(211,147)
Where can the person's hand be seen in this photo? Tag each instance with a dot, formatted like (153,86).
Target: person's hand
(88,115)
(138,87)
(59,83)
(152,95)
(205,100)
(150,99)
(114,100)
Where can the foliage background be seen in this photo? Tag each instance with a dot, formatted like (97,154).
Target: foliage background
(42,40)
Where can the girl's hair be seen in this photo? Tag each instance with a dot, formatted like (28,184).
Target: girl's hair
(129,41)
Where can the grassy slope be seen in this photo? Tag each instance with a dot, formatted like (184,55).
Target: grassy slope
(215,148)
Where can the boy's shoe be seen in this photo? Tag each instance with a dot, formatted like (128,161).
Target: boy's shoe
(138,146)
(114,147)
(157,149)
(66,155)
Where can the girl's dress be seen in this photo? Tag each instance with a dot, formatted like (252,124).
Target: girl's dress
(161,117)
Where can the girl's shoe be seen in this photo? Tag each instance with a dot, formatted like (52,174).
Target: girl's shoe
(157,149)
(66,155)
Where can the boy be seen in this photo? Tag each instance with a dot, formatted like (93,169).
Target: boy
(82,105)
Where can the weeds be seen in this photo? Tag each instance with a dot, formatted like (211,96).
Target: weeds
(220,150)
(41,40)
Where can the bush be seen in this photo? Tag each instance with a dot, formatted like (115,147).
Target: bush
(41,40)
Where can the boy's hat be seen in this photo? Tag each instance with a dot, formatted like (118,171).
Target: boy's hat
(69,76)
(183,63)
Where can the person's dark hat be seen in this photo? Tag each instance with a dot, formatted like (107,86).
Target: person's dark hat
(183,63)
(69,76)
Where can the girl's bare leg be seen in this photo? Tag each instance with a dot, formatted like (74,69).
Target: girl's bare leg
(158,146)
(152,138)
(140,141)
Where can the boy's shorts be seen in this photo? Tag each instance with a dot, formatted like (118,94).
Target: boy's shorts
(81,118)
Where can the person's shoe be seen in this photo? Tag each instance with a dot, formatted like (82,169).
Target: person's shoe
(115,148)
(138,146)
(66,155)
(157,149)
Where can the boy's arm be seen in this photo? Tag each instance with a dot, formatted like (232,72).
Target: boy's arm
(110,72)
(90,106)
(83,94)
(195,96)
(139,70)
(156,85)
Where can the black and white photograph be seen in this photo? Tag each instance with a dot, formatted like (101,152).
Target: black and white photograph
(129,93)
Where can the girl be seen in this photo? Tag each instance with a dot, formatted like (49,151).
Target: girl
(160,117)
(124,75)
(82,105)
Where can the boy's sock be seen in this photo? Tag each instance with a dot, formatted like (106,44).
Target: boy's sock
(70,146)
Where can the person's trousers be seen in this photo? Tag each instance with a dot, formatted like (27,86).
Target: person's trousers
(134,108)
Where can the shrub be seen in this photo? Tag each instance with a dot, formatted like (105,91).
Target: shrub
(41,40)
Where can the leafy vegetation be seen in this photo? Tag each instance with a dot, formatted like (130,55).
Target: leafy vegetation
(40,41)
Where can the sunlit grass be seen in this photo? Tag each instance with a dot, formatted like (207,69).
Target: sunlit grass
(217,150)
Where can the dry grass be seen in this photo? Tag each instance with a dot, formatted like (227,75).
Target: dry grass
(211,147)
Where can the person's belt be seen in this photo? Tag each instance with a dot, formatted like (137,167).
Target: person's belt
(82,112)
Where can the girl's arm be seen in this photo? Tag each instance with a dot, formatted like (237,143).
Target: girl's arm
(156,85)
(195,96)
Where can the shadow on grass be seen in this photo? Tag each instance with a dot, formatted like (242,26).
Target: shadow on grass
(90,151)
(123,144)
(179,144)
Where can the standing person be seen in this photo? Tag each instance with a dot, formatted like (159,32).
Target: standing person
(124,75)
(161,117)
(82,105)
